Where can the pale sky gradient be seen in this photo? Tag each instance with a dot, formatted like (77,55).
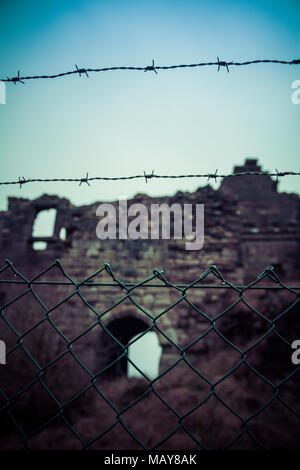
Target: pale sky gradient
(121,122)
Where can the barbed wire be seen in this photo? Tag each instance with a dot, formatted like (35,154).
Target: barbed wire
(22,180)
(150,68)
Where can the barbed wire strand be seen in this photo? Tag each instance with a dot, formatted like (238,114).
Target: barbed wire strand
(22,180)
(149,68)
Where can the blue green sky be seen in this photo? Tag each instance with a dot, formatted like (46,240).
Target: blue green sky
(122,122)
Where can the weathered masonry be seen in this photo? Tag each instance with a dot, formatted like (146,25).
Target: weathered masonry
(248,227)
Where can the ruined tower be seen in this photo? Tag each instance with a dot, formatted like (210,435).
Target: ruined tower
(248,227)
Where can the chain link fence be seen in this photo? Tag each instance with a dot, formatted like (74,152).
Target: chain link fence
(226,377)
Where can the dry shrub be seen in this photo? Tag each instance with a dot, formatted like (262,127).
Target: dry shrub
(212,424)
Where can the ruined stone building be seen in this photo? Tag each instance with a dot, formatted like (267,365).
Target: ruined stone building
(248,226)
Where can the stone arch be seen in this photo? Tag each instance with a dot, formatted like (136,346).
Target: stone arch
(123,327)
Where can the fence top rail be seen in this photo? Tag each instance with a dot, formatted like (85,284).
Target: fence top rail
(268,274)
(135,284)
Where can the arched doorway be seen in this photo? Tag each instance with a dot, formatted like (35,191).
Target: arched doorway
(109,351)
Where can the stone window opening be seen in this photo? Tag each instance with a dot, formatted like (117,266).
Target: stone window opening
(39,246)
(62,234)
(43,228)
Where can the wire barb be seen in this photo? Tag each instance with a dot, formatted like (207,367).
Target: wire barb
(213,176)
(22,181)
(278,175)
(85,180)
(80,71)
(148,176)
(16,79)
(151,68)
(222,63)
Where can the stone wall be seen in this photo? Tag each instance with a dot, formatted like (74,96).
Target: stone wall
(248,227)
